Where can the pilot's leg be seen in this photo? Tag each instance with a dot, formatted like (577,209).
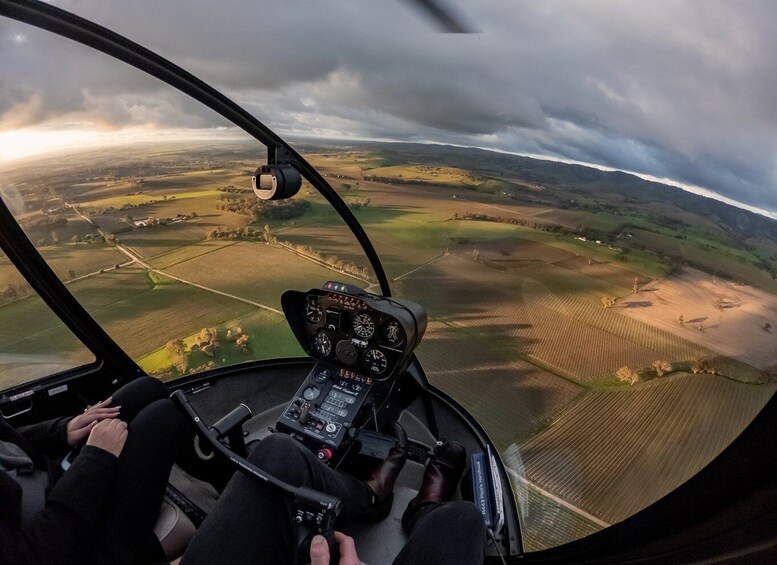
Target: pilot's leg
(155,436)
(252,524)
(451,532)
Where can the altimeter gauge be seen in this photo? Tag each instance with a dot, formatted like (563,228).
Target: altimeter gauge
(363,326)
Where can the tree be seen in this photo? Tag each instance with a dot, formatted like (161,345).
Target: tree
(55,238)
(662,367)
(608,301)
(767,326)
(177,350)
(681,319)
(71,274)
(635,288)
(626,375)
(76,238)
(476,255)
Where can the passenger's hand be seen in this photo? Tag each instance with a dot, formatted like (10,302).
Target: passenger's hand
(319,550)
(80,426)
(109,435)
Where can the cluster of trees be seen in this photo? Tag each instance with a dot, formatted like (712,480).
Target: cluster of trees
(626,375)
(12,292)
(270,209)
(552,228)
(207,341)
(233,189)
(662,367)
(703,366)
(609,301)
(246,233)
(43,222)
(331,260)
(128,206)
(240,339)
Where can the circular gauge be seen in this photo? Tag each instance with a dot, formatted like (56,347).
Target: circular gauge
(375,361)
(313,311)
(322,344)
(347,352)
(311,393)
(392,332)
(363,326)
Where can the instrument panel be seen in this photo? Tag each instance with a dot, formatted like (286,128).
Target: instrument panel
(361,342)
(362,332)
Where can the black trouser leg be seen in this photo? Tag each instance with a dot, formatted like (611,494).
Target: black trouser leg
(137,394)
(453,532)
(155,435)
(252,524)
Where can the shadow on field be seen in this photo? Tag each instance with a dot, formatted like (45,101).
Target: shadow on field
(638,304)
(512,403)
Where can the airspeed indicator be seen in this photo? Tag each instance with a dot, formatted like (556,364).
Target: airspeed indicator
(313,312)
(322,344)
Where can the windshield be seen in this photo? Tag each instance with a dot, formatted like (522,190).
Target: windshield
(160,236)
(580,195)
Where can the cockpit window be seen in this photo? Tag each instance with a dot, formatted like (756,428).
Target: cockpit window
(34,342)
(607,359)
(156,230)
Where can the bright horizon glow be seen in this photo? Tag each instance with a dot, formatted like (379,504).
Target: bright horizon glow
(16,145)
(24,143)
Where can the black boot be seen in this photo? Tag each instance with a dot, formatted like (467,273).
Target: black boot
(441,478)
(384,475)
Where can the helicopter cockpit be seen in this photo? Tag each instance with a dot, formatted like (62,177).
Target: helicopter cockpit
(607,360)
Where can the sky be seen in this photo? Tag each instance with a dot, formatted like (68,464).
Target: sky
(671,89)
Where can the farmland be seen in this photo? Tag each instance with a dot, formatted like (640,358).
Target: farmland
(687,419)
(542,283)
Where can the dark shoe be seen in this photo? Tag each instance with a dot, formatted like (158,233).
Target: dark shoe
(441,478)
(384,475)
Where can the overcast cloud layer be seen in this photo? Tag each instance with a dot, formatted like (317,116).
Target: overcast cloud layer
(680,89)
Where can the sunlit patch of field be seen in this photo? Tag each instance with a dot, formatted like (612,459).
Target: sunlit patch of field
(270,337)
(429,174)
(615,453)
(145,320)
(720,315)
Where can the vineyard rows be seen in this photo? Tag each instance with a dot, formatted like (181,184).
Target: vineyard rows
(511,399)
(610,320)
(614,453)
(547,524)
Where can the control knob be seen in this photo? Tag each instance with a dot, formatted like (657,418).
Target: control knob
(325,454)
(331,428)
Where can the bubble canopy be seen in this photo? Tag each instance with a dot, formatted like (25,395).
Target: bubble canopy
(153,256)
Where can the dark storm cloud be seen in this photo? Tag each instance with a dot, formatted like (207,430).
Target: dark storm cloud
(677,89)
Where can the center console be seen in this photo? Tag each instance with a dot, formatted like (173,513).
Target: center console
(361,342)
